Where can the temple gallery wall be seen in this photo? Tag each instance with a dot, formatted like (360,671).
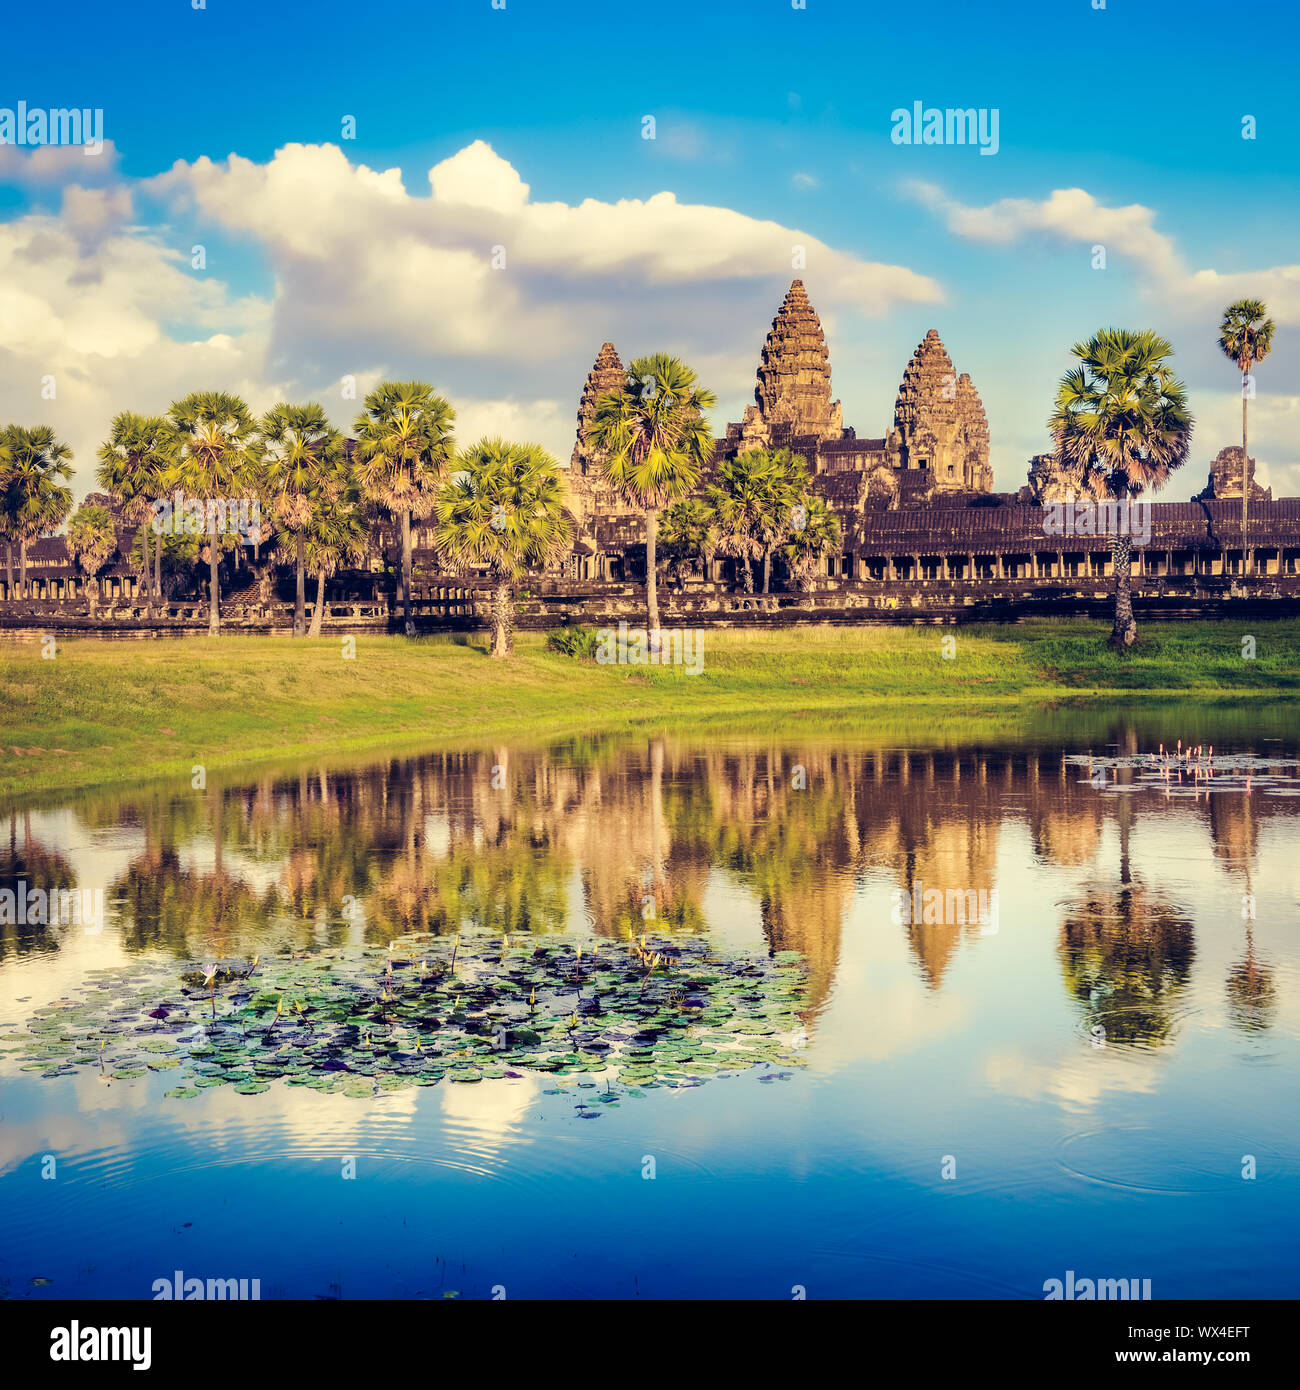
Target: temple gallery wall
(923,536)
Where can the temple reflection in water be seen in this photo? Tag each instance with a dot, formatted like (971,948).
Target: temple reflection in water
(616,837)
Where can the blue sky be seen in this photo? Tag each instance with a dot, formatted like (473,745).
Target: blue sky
(772,126)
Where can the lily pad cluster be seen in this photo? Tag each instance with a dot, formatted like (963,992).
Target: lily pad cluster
(613,1018)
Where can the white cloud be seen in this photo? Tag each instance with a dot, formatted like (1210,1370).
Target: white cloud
(366,279)
(358,256)
(1074,215)
(38,165)
(480,177)
(85,302)
(1070,214)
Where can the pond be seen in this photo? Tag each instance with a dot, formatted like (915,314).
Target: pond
(835,1013)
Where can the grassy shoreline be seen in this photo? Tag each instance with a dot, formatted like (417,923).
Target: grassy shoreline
(101,713)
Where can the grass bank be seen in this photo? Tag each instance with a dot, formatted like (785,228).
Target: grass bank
(102,712)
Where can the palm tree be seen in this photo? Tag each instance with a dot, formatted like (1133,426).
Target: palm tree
(655,438)
(503,509)
(33,465)
(1246,336)
(173,554)
(810,543)
(134,464)
(743,497)
(753,500)
(307,459)
(337,534)
(687,534)
(404,443)
(1121,425)
(791,492)
(92,538)
(217,453)
(8,524)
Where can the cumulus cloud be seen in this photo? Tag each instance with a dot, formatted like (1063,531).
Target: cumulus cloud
(1069,214)
(1074,215)
(86,301)
(499,298)
(480,268)
(35,166)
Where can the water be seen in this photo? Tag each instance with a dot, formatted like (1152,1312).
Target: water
(1077,1083)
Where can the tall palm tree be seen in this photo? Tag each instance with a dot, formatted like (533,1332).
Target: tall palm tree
(218,450)
(1246,336)
(503,509)
(404,444)
(753,499)
(791,491)
(134,464)
(306,459)
(810,543)
(687,534)
(1121,425)
(8,524)
(337,534)
(33,466)
(743,496)
(92,538)
(655,439)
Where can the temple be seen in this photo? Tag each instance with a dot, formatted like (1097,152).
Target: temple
(916,507)
(923,537)
(938,446)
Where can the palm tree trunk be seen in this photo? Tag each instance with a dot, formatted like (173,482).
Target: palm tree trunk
(22,566)
(767,571)
(748,569)
(319,611)
(9,571)
(652,576)
(144,560)
(157,565)
(214,582)
(503,620)
(300,598)
(408,625)
(1124,633)
(1245,476)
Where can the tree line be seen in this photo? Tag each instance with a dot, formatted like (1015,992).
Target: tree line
(1120,425)
(495,505)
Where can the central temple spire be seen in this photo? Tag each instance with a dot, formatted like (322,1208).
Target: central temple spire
(794,374)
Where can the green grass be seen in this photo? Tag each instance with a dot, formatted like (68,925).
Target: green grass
(102,712)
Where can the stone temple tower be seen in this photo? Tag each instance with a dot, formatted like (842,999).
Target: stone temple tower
(975,425)
(588,489)
(793,393)
(939,422)
(1225,478)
